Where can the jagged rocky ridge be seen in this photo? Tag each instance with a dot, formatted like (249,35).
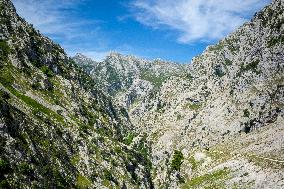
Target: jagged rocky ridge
(129,79)
(217,123)
(56,129)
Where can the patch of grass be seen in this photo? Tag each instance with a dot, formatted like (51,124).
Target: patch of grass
(265,163)
(219,73)
(47,71)
(210,180)
(193,163)
(156,80)
(232,44)
(128,140)
(6,78)
(37,107)
(75,159)
(108,175)
(4,50)
(117,150)
(156,135)
(83,182)
(192,106)
(189,76)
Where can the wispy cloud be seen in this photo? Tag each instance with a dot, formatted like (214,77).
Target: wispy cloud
(204,20)
(49,16)
(62,21)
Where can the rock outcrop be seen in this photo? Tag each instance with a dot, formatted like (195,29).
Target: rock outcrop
(129,79)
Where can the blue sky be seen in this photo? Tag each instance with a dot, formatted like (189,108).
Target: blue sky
(172,30)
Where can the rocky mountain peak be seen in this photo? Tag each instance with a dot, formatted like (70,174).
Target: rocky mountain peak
(83,60)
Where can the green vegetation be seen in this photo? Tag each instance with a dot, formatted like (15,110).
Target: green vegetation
(128,140)
(75,159)
(108,175)
(193,106)
(83,182)
(232,44)
(251,66)
(177,160)
(273,41)
(193,163)
(216,47)
(36,85)
(6,78)
(246,113)
(117,150)
(4,50)
(144,152)
(24,168)
(211,180)
(218,71)
(4,165)
(113,76)
(189,76)
(228,62)
(5,168)
(46,71)
(37,107)
(157,80)
(4,95)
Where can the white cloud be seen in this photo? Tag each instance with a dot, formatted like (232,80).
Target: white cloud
(60,20)
(204,20)
(48,16)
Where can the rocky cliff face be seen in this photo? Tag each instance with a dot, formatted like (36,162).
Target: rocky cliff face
(56,129)
(129,79)
(219,122)
(230,102)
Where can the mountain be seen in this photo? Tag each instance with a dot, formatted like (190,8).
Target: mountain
(58,130)
(217,122)
(126,122)
(128,79)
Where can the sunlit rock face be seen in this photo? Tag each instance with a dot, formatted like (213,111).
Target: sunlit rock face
(223,111)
